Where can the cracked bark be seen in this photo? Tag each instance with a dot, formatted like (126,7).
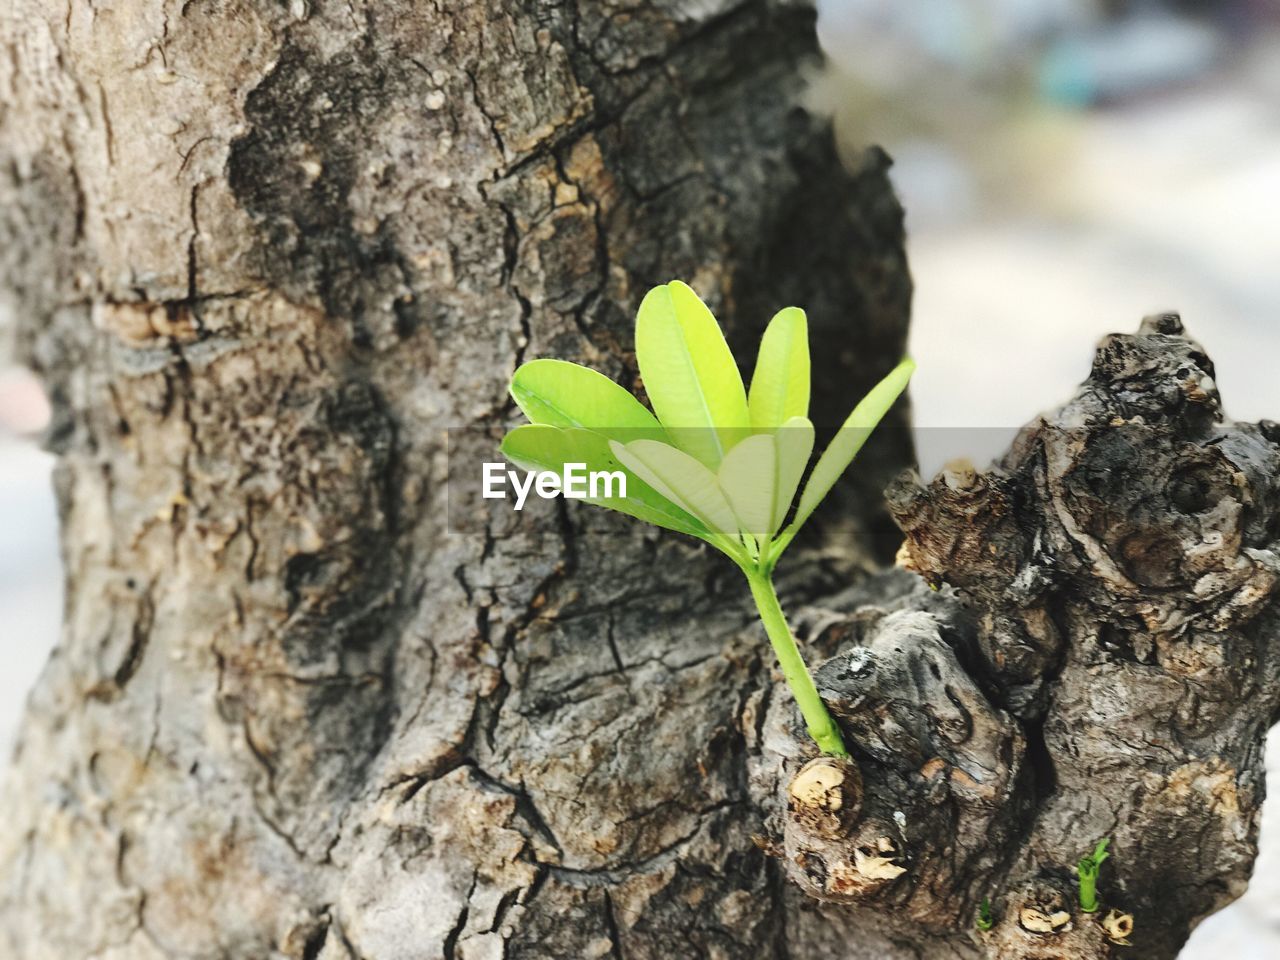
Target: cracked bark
(267,256)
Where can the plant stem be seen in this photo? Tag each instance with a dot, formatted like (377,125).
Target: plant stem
(1088,870)
(1088,888)
(821,726)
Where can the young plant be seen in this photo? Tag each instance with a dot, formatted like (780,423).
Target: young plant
(985,919)
(1087,871)
(717,462)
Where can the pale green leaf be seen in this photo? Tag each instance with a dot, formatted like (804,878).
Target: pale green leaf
(689,373)
(846,444)
(794,441)
(681,479)
(562,394)
(542,447)
(780,384)
(747,476)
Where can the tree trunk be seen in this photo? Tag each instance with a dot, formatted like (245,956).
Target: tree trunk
(315,699)
(265,257)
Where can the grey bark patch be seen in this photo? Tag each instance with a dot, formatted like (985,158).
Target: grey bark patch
(314,123)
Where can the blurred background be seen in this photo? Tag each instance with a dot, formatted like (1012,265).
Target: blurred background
(1067,166)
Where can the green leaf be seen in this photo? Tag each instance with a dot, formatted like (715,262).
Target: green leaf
(562,394)
(748,476)
(681,479)
(794,441)
(689,373)
(780,383)
(845,446)
(543,447)
(1100,852)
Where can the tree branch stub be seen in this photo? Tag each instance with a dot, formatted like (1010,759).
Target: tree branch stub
(1098,660)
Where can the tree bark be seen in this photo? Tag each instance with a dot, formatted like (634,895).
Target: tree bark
(314,699)
(276,264)
(1099,661)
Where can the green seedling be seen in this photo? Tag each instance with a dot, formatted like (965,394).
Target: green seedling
(716,462)
(985,921)
(1087,871)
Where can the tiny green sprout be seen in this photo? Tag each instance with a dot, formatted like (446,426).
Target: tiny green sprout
(716,462)
(1087,871)
(985,920)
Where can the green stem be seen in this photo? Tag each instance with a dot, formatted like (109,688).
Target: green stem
(1089,893)
(822,727)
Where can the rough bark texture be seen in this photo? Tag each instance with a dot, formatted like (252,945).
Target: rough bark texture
(265,255)
(1101,662)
